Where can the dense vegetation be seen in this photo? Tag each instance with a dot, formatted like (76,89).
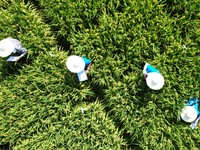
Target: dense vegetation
(41,101)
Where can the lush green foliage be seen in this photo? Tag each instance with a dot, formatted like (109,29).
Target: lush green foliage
(40,105)
(40,101)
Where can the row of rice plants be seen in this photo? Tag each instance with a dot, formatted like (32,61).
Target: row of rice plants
(119,44)
(40,107)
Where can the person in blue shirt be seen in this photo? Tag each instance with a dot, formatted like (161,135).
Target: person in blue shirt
(195,103)
(191,113)
(153,77)
(148,69)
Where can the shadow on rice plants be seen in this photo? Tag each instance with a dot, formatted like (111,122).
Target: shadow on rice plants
(64,43)
(144,93)
(9,68)
(99,92)
(13,68)
(35,3)
(5,146)
(173,7)
(125,133)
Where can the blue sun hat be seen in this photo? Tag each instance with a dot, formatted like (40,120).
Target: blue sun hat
(154,79)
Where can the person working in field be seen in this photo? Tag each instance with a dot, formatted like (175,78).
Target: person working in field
(79,65)
(191,113)
(11,45)
(153,78)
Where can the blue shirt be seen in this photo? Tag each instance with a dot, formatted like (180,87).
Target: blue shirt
(195,103)
(87,61)
(151,69)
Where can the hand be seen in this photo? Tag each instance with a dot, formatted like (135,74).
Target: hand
(17,60)
(86,71)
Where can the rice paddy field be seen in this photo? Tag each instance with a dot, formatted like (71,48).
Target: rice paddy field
(41,102)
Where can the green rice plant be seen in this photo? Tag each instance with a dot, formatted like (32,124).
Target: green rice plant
(23,22)
(40,107)
(48,125)
(149,118)
(38,97)
(74,16)
(179,8)
(68,17)
(186,15)
(48,75)
(26,25)
(128,38)
(118,45)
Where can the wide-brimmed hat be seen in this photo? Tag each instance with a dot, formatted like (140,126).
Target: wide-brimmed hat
(75,64)
(189,114)
(6,47)
(155,80)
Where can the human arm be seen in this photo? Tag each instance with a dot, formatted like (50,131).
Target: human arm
(88,67)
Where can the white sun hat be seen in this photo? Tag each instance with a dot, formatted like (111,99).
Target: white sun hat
(189,114)
(75,64)
(6,47)
(155,80)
